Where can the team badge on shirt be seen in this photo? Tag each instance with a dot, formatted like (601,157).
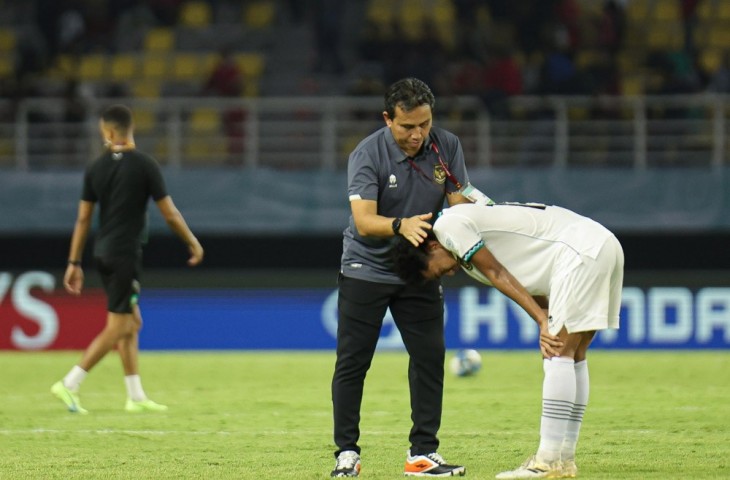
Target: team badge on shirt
(439,174)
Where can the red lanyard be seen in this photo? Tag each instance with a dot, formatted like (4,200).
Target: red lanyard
(448,173)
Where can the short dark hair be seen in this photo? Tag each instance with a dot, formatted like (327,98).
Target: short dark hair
(409,262)
(408,93)
(118,115)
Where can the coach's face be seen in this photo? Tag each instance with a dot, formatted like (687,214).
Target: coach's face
(440,262)
(410,129)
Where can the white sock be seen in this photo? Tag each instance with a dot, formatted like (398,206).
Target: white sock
(558,394)
(134,388)
(74,377)
(576,417)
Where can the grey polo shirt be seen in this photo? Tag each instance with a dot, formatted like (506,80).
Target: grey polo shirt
(378,170)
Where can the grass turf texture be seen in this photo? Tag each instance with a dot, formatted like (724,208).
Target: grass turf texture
(652,415)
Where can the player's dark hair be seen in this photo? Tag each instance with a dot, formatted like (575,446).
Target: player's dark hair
(408,93)
(409,262)
(118,115)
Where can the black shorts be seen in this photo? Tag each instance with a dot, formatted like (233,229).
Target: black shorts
(120,277)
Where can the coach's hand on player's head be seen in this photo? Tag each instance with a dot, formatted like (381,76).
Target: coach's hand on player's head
(196,253)
(414,229)
(73,279)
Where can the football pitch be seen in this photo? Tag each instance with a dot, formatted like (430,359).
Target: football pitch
(241,415)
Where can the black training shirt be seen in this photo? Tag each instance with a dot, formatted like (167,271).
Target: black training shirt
(121,183)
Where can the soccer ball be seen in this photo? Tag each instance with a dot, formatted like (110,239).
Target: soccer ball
(465,363)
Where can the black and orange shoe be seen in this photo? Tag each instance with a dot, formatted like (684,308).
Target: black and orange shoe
(431,465)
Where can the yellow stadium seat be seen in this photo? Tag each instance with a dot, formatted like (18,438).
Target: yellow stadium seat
(380,11)
(662,36)
(159,40)
(719,38)
(705,10)
(259,13)
(208,148)
(666,10)
(6,66)
(632,85)
(587,58)
(195,14)
(723,10)
(711,59)
(637,10)
(124,66)
(186,66)
(154,66)
(251,64)
(208,62)
(92,67)
(204,120)
(146,89)
(144,120)
(7,40)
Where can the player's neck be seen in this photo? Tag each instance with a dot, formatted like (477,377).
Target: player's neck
(121,146)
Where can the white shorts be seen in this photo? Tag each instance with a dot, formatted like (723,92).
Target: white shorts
(588,297)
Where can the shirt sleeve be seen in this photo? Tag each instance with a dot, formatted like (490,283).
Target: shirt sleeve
(362,177)
(157,187)
(87,192)
(459,235)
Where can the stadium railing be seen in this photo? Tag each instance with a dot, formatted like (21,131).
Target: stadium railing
(319,132)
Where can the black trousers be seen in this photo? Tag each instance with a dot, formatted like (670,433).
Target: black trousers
(418,312)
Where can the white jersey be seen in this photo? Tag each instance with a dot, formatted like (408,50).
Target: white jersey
(534,242)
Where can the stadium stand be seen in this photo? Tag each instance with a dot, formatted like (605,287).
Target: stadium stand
(575,48)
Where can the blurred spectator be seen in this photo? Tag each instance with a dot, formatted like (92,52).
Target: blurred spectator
(100,25)
(612,28)
(71,31)
(371,42)
(134,20)
(531,19)
(422,57)
(689,21)
(30,57)
(74,115)
(226,80)
(560,75)
(502,79)
(166,11)
(328,20)
(568,16)
(466,12)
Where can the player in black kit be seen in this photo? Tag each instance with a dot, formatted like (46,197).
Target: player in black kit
(121,181)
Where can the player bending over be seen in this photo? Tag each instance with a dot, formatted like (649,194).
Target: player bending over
(535,255)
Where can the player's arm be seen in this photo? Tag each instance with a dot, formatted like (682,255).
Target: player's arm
(177,224)
(505,282)
(73,279)
(543,302)
(370,224)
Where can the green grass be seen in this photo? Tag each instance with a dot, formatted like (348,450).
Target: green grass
(656,415)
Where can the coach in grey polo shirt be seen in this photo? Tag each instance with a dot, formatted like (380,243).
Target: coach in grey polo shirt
(399,178)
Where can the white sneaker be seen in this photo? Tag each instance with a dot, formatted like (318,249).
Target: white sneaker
(533,469)
(569,469)
(348,465)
